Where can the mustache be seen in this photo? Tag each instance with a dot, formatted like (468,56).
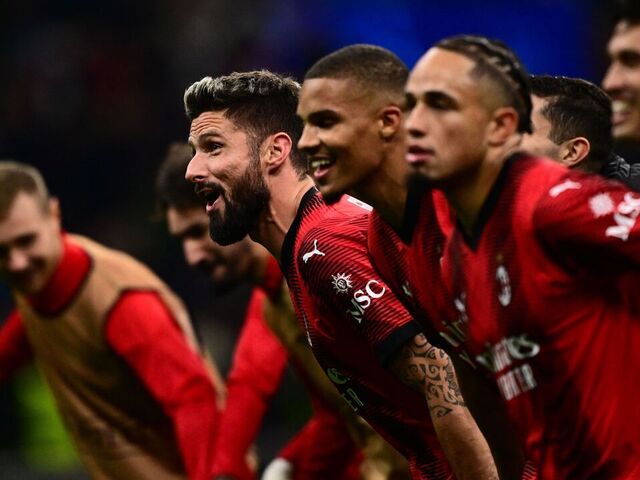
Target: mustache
(205,189)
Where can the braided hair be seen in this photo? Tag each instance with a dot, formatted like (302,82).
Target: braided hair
(497,61)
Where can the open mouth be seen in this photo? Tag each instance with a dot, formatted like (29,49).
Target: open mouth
(210,194)
(319,166)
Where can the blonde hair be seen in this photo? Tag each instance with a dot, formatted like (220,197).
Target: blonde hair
(16,177)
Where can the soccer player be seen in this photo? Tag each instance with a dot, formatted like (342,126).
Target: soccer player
(247,168)
(572,124)
(622,80)
(351,104)
(114,343)
(543,263)
(324,448)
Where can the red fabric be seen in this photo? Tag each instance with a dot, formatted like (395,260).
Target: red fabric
(546,289)
(15,350)
(142,330)
(272,282)
(65,280)
(410,261)
(323,449)
(354,323)
(69,274)
(259,362)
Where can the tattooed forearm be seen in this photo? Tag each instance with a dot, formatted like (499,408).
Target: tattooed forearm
(428,369)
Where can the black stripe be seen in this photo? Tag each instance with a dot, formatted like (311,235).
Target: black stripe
(286,254)
(396,339)
(489,204)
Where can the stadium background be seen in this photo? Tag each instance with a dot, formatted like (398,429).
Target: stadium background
(90,93)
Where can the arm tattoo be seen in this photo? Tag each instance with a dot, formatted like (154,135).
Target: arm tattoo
(428,369)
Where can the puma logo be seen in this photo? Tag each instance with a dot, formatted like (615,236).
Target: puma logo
(315,251)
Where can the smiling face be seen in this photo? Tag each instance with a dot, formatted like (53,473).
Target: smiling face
(447,118)
(226,170)
(622,81)
(30,243)
(341,134)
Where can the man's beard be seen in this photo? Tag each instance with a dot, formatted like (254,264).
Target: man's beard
(250,198)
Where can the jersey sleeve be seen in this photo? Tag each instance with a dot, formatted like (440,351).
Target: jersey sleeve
(347,288)
(590,222)
(15,350)
(258,365)
(273,278)
(143,332)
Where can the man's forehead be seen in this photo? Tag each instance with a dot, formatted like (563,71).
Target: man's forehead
(439,63)
(210,123)
(330,93)
(625,36)
(23,217)
(442,70)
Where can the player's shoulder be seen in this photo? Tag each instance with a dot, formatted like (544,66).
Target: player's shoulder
(534,173)
(336,239)
(341,224)
(380,233)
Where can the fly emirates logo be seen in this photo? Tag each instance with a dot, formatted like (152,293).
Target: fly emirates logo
(507,360)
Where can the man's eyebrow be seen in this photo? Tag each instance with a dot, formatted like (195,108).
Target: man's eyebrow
(212,134)
(322,114)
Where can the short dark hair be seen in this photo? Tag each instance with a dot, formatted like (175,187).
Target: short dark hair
(500,63)
(260,102)
(577,108)
(172,189)
(15,178)
(627,11)
(370,65)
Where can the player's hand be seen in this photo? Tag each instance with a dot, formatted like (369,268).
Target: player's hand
(278,469)
(381,461)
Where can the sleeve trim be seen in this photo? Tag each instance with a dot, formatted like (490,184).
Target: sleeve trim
(397,338)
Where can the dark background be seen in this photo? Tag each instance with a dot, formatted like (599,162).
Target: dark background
(91,94)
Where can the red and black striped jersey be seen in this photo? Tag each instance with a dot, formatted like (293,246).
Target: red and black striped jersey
(546,290)
(354,324)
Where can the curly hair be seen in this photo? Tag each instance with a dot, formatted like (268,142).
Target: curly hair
(260,102)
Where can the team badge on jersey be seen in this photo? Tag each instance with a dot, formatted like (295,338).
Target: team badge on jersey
(341,283)
(504,284)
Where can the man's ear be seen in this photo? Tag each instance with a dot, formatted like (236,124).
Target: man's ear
(390,120)
(503,125)
(277,148)
(574,151)
(53,210)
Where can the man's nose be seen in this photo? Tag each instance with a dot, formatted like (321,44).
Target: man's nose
(17,260)
(196,169)
(613,79)
(309,139)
